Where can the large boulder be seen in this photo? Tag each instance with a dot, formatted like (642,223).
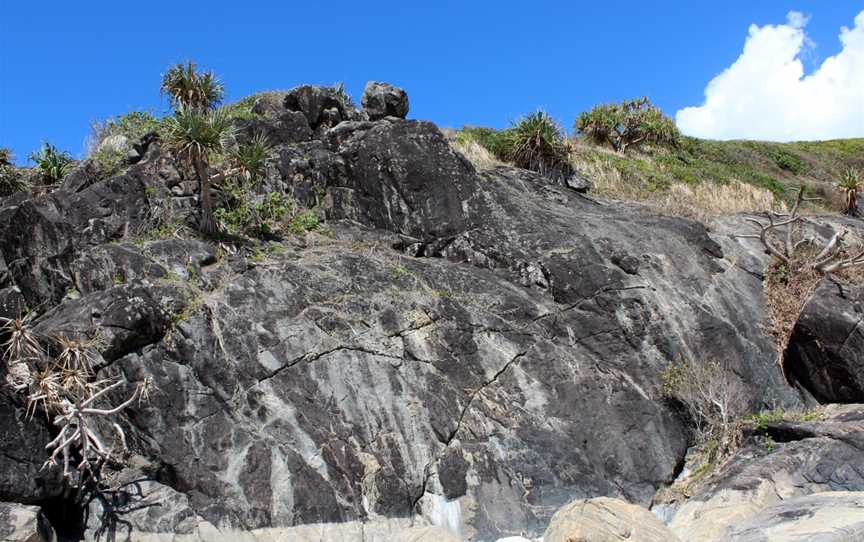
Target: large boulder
(384,100)
(401,176)
(606,520)
(823,517)
(320,105)
(826,350)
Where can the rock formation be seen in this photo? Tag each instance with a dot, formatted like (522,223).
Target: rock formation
(459,350)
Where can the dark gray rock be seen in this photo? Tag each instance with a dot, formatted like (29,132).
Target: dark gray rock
(401,176)
(128,317)
(322,106)
(21,523)
(22,440)
(578,183)
(384,100)
(826,350)
(779,460)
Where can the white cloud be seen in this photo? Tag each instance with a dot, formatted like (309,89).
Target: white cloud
(764,94)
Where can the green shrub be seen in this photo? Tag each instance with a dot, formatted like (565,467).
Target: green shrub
(52,163)
(535,142)
(242,216)
(251,158)
(131,126)
(627,124)
(6,156)
(303,222)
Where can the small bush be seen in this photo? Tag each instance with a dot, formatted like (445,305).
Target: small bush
(6,156)
(52,163)
(250,158)
(11,179)
(627,124)
(714,398)
(534,142)
(303,222)
(131,127)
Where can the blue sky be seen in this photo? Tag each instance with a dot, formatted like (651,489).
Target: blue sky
(64,65)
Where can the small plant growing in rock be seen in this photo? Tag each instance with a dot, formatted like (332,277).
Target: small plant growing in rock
(52,163)
(11,180)
(850,185)
(61,383)
(627,124)
(714,398)
(7,157)
(303,222)
(250,159)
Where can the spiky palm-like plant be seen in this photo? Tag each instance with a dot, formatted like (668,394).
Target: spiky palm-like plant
(535,142)
(193,135)
(187,88)
(53,163)
(851,184)
(627,124)
(250,158)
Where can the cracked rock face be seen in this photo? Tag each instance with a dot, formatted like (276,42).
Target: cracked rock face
(826,351)
(462,350)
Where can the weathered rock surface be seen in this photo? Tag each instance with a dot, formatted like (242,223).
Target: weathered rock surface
(822,517)
(800,459)
(20,523)
(606,520)
(467,351)
(384,100)
(826,351)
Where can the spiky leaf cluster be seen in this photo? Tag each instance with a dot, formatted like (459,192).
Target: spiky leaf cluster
(627,124)
(52,162)
(187,88)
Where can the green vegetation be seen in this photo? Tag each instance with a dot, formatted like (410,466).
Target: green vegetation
(303,222)
(250,158)
(105,151)
(534,142)
(188,88)
(242,216)
(193,135)
(52,163)
(850,184)
(627,124)
(11,179)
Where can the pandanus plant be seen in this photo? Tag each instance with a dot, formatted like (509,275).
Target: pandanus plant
(850,183)
(197,128)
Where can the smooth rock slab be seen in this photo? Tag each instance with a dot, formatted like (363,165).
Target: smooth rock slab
(606,520)
(821,517)
(21,523)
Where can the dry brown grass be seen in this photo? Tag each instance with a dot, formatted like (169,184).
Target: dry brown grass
(476,154)
(701,202)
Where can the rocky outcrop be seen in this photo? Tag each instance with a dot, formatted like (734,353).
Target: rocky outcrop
(459,350)
(384,100)
(826,350)
(606,520)
(785,460)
